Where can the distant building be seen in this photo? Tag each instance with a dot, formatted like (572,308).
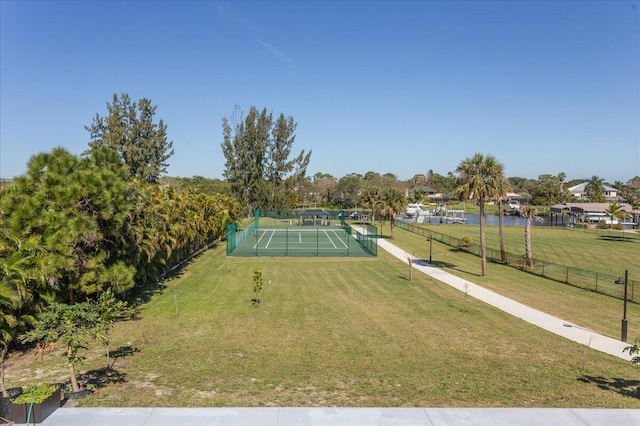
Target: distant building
(610,193)
(432,195)
(588,212)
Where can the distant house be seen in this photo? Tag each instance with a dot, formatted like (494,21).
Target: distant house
(514,201)
(610,193)
(586,212)
(432,195)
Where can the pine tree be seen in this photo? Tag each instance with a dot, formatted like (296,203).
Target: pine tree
(74,209)
(129,129)
(257,152)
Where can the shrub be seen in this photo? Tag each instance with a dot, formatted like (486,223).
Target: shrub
(36,394)
(465,242)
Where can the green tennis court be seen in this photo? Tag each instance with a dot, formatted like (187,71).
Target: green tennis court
(301,241)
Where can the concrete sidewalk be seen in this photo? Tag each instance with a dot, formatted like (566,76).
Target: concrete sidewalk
(341,417)
(550,323)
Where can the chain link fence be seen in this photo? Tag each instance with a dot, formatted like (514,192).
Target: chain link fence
(589,280)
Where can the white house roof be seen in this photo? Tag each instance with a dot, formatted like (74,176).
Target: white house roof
(582,186)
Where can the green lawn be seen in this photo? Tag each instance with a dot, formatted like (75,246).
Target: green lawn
(604,251)
(339,332)
(588,309)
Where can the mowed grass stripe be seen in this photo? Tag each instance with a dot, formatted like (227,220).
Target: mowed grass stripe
(341,332)
(606,251)
(588,309)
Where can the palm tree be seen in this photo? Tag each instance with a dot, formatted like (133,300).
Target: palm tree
(529,213)
(616,211)
(561,177)
(392,203)
(480,178)
(418,195)
(370,197)
(595,190)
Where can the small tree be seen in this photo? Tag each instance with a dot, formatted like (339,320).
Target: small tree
(634,350)
(257,286)
(109,311)
(72,325)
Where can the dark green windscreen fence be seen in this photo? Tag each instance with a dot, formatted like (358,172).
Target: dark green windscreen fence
(235,238)
(317,238)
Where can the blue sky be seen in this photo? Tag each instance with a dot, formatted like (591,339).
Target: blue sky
(390,87)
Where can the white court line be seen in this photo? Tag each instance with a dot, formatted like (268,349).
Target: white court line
(270,238)
(327,234)
(338,236)
(259,239)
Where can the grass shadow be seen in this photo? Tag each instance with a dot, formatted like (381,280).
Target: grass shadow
(629,388)
(122,352)
(142,293)
(102,377)
(617,238)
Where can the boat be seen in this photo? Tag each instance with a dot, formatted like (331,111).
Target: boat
(415,208)
(454,216)
(417,212)
(444,215)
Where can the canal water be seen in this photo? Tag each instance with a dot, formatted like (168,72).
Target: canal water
(491,220)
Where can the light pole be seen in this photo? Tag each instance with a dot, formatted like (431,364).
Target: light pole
(430,244)
(624,312)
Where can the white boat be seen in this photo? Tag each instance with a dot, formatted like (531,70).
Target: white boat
(416,209)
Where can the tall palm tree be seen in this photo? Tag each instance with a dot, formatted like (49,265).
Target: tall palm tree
(370,197)
(479,178)
(595,190)
(392,203)
(529,213)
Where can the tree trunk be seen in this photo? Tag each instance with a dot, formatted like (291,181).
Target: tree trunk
(527,243)
(3,388)
(483,242)
(72,372)
(503,252)
(392,226)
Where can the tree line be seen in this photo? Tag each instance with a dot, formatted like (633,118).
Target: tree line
(74,228)
(323,189)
